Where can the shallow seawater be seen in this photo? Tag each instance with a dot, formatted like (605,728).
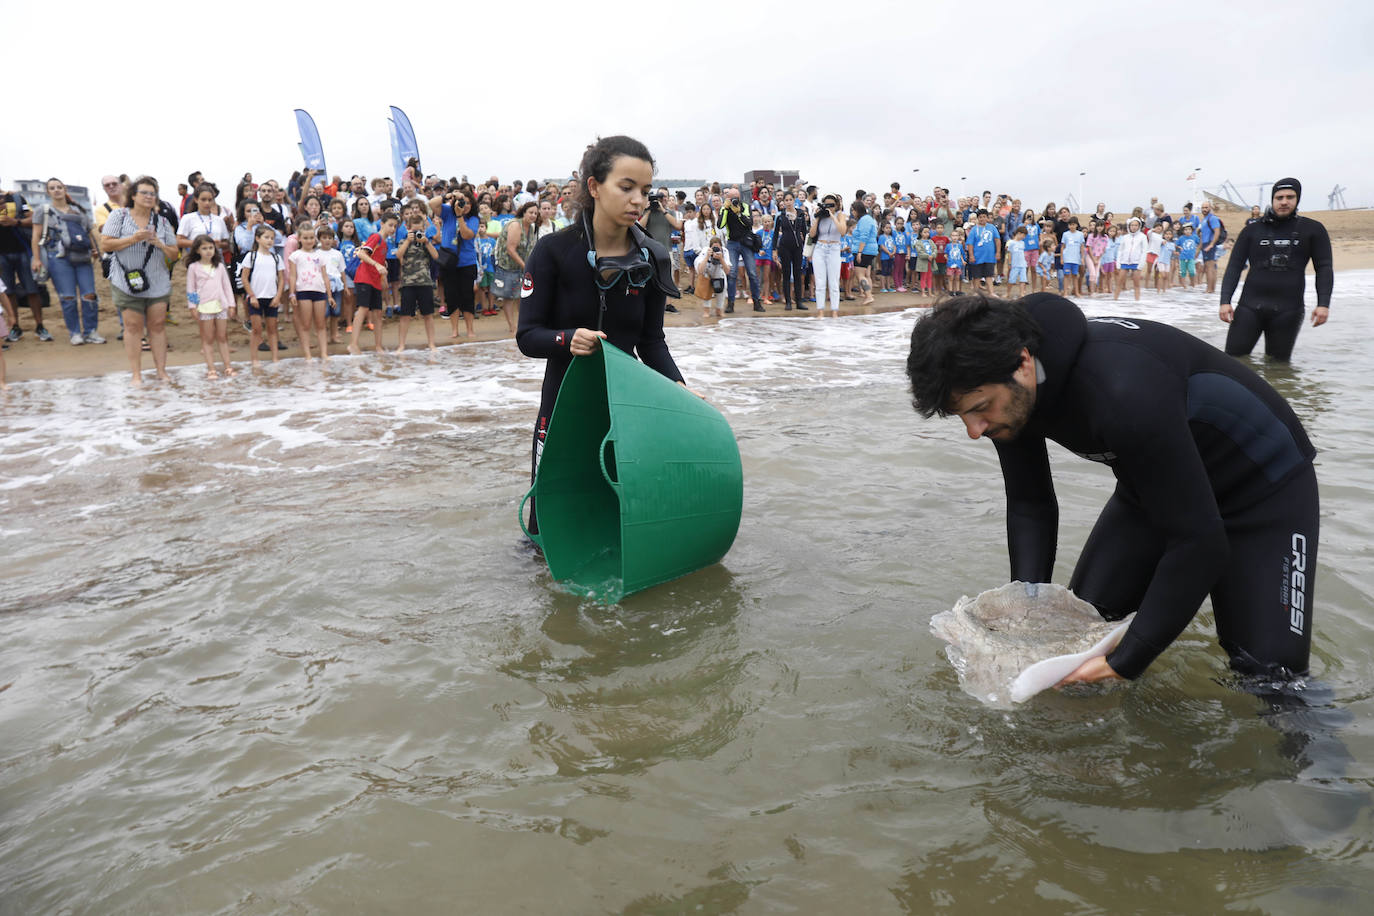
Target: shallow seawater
(275,644)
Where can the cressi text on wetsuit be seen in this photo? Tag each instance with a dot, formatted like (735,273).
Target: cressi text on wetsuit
(1215,488)
(1277,251)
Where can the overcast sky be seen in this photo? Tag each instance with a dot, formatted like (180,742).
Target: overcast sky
(1017,97)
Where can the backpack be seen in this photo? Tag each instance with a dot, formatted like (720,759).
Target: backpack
(64,236)
(1222,235)
(253,262)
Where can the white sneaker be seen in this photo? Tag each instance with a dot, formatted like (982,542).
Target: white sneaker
(77,340)
(93,338)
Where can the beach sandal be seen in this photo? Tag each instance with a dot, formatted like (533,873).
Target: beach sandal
(147,346)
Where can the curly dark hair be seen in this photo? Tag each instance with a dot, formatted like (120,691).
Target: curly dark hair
(963,343)
(597,162)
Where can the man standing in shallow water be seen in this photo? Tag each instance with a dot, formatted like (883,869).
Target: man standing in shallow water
(1215,491)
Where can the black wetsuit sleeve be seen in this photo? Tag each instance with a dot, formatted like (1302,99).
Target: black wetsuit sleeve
(652,346)
(535,335)
(1157,461)
(1321,261)
(1240,254)
(1032,509)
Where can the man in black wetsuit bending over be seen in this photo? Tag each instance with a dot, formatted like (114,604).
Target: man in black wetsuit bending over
(1277,248)
(1215,489)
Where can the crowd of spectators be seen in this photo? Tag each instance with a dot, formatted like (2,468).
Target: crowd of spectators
(339,257)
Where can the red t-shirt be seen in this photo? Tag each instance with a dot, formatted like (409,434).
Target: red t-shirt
(366,273)
(940,242)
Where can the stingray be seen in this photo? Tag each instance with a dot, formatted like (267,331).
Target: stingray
(1010,643)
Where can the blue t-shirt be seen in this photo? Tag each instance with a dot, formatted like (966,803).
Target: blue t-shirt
(1109,253)
(1032,236)
(765,252)
(1191,220)
(847,249)
(1187,248)
(367,228)
(903,240)
(1016,253)
(1210,226)
(486,248)
(954,252)
(864,238)
(983,239)
(1166,254)
(887,246)
(1073,247)
(348,248)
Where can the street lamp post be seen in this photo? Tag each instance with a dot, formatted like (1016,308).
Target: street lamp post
(1082,204)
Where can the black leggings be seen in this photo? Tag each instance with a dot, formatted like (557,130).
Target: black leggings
(1279,326)
(1262,598)
(458,288)
(790,274)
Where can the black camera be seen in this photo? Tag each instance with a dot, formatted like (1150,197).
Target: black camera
(656,201)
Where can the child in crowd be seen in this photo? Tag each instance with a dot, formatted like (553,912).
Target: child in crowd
(1072,257)
(1187,256)
(1032,249)
(1154,238)
(348,247)
(1130,255)
(1164,267)
(902,241)
(486,259)
(1109,259)
(417,256)
(309,285)
(263,279)
(334,267)
(368,284)
(1092,256)
(712,267)
(1016,261)
(210,297)
(924,251)
(846,269)
(763,258)
(954,262)
(391,290)
(941,258)
(1044,263)
(887,247)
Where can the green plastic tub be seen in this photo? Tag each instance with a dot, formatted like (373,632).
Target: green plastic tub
(640,480)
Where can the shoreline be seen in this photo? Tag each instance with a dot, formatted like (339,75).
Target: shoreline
(1352,238)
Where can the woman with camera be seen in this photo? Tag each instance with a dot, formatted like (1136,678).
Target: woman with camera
(826,232)
(458,227)
(601,278)
(712,266)
(142,244)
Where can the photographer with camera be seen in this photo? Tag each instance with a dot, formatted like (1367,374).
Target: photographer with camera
(712,266)
(660,222)
(738,223)
(827,232)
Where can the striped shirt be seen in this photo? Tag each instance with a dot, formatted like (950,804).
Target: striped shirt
(121,225)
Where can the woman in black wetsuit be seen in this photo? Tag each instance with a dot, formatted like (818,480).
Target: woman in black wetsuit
(600,278)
